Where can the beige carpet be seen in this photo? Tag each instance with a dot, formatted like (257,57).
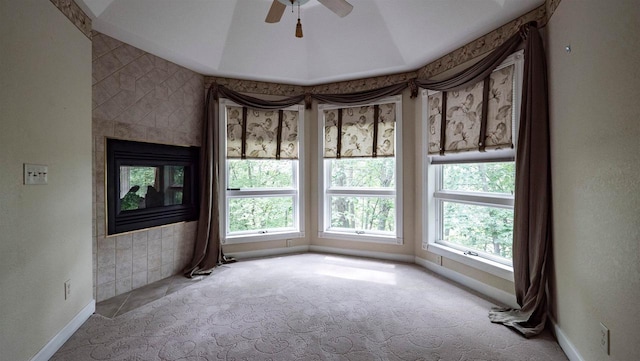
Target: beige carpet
(309,307)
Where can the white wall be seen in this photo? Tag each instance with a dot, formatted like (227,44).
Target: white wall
(595,132)
(45,230)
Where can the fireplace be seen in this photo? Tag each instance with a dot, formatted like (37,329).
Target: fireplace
(150,185)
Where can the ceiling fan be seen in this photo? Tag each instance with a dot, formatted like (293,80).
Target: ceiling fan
(340,7)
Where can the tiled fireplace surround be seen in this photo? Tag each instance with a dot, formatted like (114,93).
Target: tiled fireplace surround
(138,96)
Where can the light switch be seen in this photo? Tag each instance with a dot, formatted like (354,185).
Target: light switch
(35,174)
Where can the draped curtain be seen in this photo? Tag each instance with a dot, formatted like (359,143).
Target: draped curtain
(532,227)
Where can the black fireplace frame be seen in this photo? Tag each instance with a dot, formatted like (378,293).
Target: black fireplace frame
(131,153)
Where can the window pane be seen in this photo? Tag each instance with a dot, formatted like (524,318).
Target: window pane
(363,213)
(147,187)
(263,213)
(268,173)
(363,172)
(480,228)
(480,177)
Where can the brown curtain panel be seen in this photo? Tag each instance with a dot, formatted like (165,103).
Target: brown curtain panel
(532,209)
(206,253)
(532,223)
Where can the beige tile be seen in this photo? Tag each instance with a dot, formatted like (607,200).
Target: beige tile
(155,233)
(106,243)
(123,285)
(167,270)
(154,260)
(127,82)
(167,257)
(168,243)
(154,275)
(111,42)
(140,264)
(101,127)
(123,53)
(124,241)
(106,257)
(109,308)
(105,291)
(124,264)
(139,279)
(154,246)
(98,46)
(105,274)
(167,231)
(130,131)
(105,66)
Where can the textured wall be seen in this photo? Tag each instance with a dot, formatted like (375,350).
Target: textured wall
(45,230)
(138,96)
(595,155)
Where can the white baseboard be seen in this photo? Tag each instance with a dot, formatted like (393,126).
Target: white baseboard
(566,345)
(494,293)
(268,252)
(368,254)
(67,331)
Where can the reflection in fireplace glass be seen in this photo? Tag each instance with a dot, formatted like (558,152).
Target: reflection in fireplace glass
(148,187)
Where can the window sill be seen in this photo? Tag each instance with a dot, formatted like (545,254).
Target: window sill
(360,237)
(262,237)
(482,264)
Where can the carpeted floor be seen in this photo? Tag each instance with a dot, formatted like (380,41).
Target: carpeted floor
(309,307)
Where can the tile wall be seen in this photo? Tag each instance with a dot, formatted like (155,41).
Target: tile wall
(139,96)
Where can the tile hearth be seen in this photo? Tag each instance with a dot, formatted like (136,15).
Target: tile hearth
(121,304)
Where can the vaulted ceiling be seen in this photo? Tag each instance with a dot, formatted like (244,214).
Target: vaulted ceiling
(229,38)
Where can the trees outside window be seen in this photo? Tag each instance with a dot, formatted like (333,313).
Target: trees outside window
(474,206)
(360,170)
(260,191)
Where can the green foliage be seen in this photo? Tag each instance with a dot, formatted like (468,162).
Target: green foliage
(143,177)
(268,173)
(485,229)
(480,177)
(363,172)
(260,213)
(363,213)
(481,228)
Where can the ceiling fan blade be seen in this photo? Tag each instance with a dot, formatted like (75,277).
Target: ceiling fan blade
(341,7)
(275,12)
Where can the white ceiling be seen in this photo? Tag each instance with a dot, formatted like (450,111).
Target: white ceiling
(229,38)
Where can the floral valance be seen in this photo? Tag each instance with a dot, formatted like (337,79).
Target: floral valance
(364,131)
(479,117)
(262,134)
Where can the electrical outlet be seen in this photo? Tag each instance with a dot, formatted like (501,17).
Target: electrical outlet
(67,289)
(439,260)
(289,243)
(604,338)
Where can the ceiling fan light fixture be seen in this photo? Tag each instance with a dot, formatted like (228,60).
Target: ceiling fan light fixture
(299,24)
(299,29)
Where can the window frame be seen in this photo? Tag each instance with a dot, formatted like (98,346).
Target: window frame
(433,196)
(325,192)
(226,193)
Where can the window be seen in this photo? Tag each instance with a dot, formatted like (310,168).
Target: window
(470,170)
(360,168)
(474,208)
(261,173)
